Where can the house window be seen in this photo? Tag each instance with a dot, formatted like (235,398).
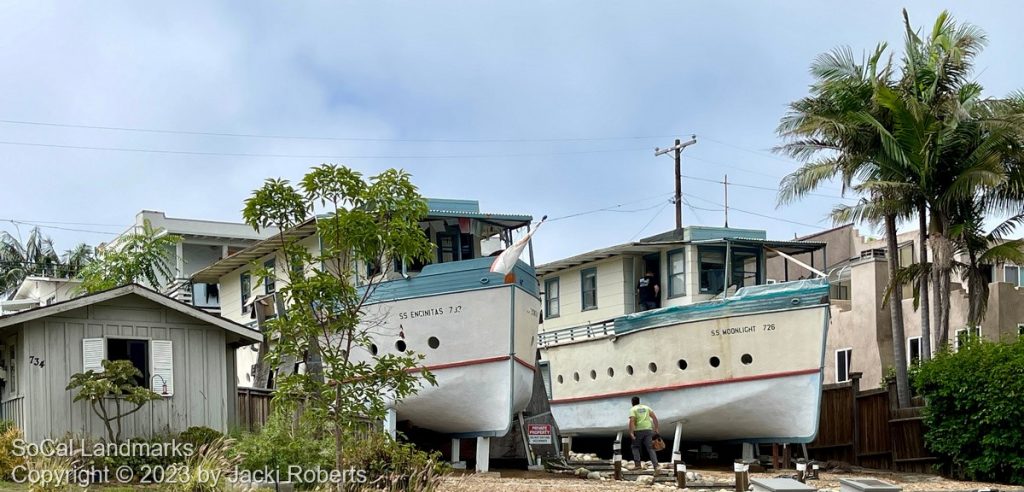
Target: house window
(711,261)
(588,281)
(551,298)
(913,350)
(135,351)
(270,281)
(245,286)
(1011,274)
(843,364)
(840,291)
(966,335)
(677,273)
(906,257)
(1020,330)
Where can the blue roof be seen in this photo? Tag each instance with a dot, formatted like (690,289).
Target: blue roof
(440,207)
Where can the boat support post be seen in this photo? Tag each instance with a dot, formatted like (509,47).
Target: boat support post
(617,456)
(677,454)
(457,462)
(483,454)
(391,422)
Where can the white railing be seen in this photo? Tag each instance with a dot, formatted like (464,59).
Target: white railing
(180,289)
(13,409)
(576,334)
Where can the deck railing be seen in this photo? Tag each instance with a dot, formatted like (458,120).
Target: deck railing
(576,334)
(13,409)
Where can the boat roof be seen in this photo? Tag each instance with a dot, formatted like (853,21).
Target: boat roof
(658,242)
(437,208)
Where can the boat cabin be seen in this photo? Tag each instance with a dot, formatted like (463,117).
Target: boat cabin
(690,265)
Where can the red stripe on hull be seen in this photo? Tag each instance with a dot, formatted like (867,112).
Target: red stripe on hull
(474,362)
(685,385)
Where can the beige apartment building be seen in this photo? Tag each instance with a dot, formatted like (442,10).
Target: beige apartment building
(860,332)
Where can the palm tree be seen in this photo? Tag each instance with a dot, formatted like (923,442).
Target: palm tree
(36,256)
(74,260)
(835,132)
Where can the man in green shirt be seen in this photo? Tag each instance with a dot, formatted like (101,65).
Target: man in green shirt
(643,425)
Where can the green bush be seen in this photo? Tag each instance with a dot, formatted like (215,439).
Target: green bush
(8,461)
(974,413)
(395,466)
(199,435)
(279,445)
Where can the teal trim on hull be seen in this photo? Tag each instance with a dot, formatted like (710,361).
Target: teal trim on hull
(456,276)
(748,300)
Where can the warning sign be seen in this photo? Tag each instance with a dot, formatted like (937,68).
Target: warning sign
(539,433)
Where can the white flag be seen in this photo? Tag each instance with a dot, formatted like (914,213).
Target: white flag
(506,261)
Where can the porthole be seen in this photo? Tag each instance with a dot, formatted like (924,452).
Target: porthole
(746,359)
(593,374)
(681,364)
(560,379)
(400,345)
(652,367)
(433,342)
(629,370)
(714,362)
(611,372)
(575,376)
(373,349)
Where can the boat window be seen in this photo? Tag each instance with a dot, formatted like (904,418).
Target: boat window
(711,260)
(611,372)
(551,298)
(433,342)
(629,370)
(448,248)
(652,367)
(400,345)
(593,374)
(746,266)
(682,364)
(746,359)
(588,280)
(575,376)
(560,379)
(373,349)
(714,361)
(677,273)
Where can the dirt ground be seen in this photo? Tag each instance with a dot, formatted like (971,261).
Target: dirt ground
(522,481)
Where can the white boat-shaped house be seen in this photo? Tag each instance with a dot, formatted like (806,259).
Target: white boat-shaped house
(476,329)
(729,355)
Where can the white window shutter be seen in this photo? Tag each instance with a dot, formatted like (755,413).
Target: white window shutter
(92,354)
(162,362)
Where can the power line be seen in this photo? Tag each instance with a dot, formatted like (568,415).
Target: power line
(655,216)
(43,226)
(342,139)
(314,156)
(613,208)
(741,185)
(771,217)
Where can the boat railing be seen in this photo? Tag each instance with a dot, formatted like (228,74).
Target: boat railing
(577,334)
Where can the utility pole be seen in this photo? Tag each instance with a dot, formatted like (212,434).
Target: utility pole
(726,183)
(677,150)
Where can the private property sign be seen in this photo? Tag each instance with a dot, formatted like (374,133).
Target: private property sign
(539,433)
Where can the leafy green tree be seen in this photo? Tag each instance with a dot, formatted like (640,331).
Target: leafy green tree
(367,221)
(74,260)
(139,256)
(108,391)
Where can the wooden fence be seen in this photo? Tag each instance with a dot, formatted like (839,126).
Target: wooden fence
(865,428)
(253,408)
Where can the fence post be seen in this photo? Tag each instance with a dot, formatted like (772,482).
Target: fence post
(855,390)
(617,456)
(680,469)
(742,475)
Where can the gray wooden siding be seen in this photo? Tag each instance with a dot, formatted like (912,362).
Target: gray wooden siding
(201,390)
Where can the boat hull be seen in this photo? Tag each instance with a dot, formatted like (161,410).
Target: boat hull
(750,376)
(479,344)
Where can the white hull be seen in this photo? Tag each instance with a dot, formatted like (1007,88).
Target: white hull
(766,386)
(483,361)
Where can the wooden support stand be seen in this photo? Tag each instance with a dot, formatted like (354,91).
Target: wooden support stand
(680,469)
(801,470)
(742,475)
(617,456)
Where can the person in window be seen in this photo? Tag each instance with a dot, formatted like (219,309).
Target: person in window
(648,291)
(643,425)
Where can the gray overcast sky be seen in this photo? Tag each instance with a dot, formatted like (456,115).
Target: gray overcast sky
(431,71)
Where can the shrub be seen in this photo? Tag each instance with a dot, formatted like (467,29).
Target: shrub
(208,468)
(974,415)
(278,445)
(8,461)
(394,466)
(199,436)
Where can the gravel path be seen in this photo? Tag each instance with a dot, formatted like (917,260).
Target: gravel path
(520,481)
